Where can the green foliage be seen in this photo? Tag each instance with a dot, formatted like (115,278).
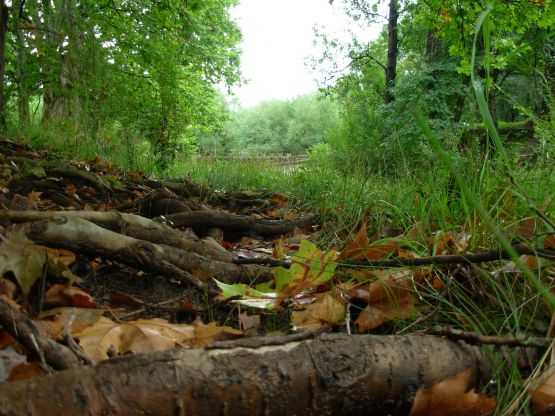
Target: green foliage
(125,71)
(274,127)
(513,54)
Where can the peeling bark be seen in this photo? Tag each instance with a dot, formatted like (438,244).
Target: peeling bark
(79,235)
(333,374)
(133,226)
(228,221)
(22,328)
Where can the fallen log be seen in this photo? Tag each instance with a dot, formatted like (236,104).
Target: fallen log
(78,235)
(332,374)
(22,328)
(133,226)
(228,221)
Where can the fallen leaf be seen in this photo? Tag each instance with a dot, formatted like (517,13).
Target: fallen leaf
(281,249)
(70,189)
(9,359)
(402,306)
(26,260)
(7,288)
(25,371)
(140,336)
(205,334)
(355,248)
(309,268)
(248,296)
(543,398)
(326,310)
(53,322)
(34,196)
(65,256)
(249,321)
(61,295)
(549,242)
(450,397)
(23,258)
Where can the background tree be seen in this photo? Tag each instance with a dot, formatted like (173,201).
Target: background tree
(119,72)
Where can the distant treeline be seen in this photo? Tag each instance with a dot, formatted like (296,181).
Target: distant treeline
(274,127)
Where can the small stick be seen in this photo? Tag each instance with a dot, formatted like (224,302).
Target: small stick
(475,338)
(257,342)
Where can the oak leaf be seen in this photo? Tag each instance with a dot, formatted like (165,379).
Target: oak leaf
(450,397)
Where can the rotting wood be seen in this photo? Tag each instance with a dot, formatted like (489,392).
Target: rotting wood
(22,328)
(58,169)
(133,226)
(485,256)
(475,338)
(332,374)
(79,235)
(228,221)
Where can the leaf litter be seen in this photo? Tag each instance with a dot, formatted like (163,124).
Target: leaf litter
(112,309)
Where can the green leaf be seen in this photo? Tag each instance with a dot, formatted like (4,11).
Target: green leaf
(310,267)
(26,260)
(23,258)
(249,297)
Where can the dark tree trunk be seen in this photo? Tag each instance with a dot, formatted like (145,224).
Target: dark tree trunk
(392,50)
(4,15)
(22,73)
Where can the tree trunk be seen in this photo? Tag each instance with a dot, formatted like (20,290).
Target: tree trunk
(4,15)
(22,73)
(332,374)
(60,99)
(392,51)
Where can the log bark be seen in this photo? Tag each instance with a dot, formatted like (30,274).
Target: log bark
(228,221)
(333,374)
(133,226)
(79,235)
(22,328)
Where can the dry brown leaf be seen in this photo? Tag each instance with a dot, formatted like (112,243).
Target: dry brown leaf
(543,398)
(390,285)
(249,321)
(25,371)
(440,241)
(53,322)
(416,232)
(449,397)
(34,196)
(279,199)
(70,189)
(360,249)
(7,288)
(205,334)
(61,295)
(281,249)
(327,309)
(402,306)
(65,256)
(140,336)
(355,248)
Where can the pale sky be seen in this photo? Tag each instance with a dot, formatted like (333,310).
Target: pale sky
(277,38)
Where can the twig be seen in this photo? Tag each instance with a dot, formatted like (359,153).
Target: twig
(42,287)
(258,342)
(490,255)
(485,256)
(475,338)
(72,345)
(262,261)
(40,354)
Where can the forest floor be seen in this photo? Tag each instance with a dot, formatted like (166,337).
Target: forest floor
(111,264)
